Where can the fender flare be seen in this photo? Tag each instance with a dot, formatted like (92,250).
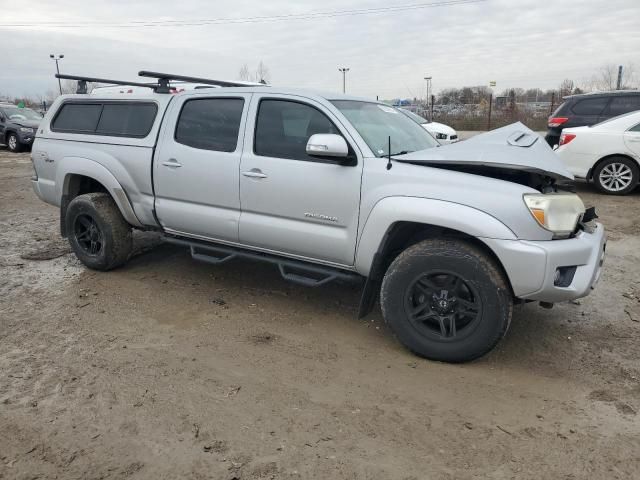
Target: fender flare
(89,168)
(455,216)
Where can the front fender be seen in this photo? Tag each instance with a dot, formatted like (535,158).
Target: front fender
(439,213)
(69,166)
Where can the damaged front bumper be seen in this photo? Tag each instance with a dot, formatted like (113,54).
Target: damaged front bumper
(555,270)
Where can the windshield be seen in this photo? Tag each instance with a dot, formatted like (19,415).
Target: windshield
(376,123)
(414,116)
(15,113)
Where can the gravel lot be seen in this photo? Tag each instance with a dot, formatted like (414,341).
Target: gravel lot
(169,368)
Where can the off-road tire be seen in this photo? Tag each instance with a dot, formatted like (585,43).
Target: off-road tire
(609,162)
(115,232)
(13,143)
(477,270)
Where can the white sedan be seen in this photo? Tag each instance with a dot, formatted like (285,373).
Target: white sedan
(607,154)
(441,132)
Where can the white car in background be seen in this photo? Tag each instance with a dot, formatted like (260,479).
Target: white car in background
(441,132)
(607,153)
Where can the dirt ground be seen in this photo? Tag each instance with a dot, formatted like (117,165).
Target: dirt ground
(168,368)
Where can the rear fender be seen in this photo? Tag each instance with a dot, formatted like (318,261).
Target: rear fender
(69,166)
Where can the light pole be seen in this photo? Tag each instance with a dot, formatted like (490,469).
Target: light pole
(344,71)
(428,79)
(56,58)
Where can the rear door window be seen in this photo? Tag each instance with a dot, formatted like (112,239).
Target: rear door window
(624,104)
(210,123)
(590,106)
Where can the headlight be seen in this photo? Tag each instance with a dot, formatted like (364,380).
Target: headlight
(26,130)
(557,212)
(441,136)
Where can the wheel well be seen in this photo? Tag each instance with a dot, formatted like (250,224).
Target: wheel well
(76,185)
(595,166)
(402,235)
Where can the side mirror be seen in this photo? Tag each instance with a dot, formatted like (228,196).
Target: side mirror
(327,145)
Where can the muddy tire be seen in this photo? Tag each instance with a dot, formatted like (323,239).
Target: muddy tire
(99,235)
(616,176)
(13,144)
(446,300)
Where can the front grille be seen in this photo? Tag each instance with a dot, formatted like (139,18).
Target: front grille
(453,137)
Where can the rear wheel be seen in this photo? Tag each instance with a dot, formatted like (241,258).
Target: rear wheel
(446,300)
(13,144)
(616,176)
(99,235)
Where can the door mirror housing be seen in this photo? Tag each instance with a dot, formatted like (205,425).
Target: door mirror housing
(327,145)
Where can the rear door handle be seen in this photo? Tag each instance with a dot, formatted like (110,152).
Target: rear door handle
(254,173)
(172,163)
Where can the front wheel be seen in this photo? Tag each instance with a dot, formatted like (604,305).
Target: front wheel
(13,144)
(616,176)
(446,300)
(99,235)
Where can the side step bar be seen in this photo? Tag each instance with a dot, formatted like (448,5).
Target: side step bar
(302,273)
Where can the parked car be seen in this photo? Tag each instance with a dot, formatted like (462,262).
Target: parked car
(18,126)
(441,132)
(327,187)
(589,109)
(607,154)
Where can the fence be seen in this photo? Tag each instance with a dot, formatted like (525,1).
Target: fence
(485,116)
(489,121)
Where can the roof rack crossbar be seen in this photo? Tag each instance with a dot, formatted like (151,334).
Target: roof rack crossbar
(166,77)
(82,82)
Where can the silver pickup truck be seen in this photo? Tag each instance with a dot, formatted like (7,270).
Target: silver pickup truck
(327,187)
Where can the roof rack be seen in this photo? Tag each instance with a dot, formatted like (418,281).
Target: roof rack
(162,85)
(82,82)
(164,78)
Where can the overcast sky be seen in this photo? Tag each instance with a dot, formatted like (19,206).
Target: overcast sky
(517,43)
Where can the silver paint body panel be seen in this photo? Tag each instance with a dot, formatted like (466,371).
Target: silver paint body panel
(321,212)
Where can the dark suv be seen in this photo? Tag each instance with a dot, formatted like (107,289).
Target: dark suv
(590,108)
(18,126)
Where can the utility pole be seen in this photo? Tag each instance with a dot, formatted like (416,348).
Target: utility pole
(56,58)
(619,84)
(428,79)
(344,71)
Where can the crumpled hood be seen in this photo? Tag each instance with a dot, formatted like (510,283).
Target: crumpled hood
(514,147)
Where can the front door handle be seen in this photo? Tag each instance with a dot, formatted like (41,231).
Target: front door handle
(254,173)
(172,163)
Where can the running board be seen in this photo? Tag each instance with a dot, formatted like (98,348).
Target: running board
(302,273)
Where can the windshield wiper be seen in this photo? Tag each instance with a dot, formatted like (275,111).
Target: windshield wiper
(403,152)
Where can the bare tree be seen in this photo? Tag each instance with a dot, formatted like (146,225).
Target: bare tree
(261,74)
(606,78)
(566,87)
(244,73)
